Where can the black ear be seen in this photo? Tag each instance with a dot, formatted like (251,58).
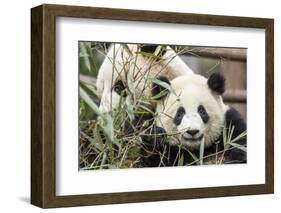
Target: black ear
(148,48)
(216,83)
(151,48)
(158,91)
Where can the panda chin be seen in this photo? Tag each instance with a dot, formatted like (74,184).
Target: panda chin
(192,140)
(191,143)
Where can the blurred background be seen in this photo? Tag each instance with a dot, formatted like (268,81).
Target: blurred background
(232,62)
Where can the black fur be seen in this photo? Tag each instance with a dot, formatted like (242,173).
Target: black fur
(233,155)
(233,117)
(155,142)
(216,83)
(154,145)
(138,123)
(203,113)
(151,49)
(120,88)
(179,115)
(155,136)
(157,89)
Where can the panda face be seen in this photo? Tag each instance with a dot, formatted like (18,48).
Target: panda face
(109,99)
(112,95)
(191,123)
(194,112)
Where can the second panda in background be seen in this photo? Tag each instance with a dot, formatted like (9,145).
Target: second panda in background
(128,70)
(191,116)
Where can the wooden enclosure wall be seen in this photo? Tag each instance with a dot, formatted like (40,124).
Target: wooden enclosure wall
(229,61)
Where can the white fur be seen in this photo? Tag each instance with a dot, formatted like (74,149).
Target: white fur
(191,121)
(135,70)
(191,91)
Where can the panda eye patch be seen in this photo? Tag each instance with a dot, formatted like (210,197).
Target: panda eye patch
(203,113)
(179,115)
(120,88)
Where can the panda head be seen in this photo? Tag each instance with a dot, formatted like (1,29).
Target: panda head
(191,110)
(126,72)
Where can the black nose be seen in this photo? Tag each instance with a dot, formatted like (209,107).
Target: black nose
(192,132)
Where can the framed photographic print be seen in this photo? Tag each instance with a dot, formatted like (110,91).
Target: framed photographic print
(136,106)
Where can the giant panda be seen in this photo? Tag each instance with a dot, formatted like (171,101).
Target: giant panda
(128,70)
(190,111)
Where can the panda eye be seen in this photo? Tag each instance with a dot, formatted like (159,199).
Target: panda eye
(180,112)
(119,88)
(179,116)
(201,110)
(203,114)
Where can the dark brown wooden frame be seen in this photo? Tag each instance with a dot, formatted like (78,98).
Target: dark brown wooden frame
(43,105)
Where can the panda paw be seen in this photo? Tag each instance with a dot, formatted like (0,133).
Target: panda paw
(153,138)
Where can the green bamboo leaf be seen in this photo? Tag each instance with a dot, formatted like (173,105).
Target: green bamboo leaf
(143,101)
(181,161)
(239,137)
(84,56)
(230,133)
(238,146)
(98,146)
(224,135)
(89,101)
(146,109)
(104,157)
(108,129)
(165,85)
(192,53)
(160,95)
(167,115)
(202,144)
(158,50)
(107,122)
(130,108)
(196,160)
(91,90)
(86,59)
(127,49)
(150,55)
